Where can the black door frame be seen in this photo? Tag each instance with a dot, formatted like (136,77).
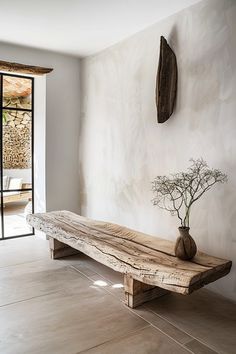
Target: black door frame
(2,74)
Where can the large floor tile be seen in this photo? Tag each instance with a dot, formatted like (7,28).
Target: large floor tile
(66,322)
(90,267)
(204,315)
(81,262)
(22,250)
(27,280)
(145,341)
(115,289)
(72,305)
(198,348)
(111,281)
(164,326)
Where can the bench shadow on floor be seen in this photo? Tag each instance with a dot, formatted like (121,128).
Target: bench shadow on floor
(74,305)
(204,322)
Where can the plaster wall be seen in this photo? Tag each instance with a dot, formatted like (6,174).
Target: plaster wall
(122,148)
(62,123)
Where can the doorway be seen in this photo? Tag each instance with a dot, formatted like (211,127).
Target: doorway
(16,155)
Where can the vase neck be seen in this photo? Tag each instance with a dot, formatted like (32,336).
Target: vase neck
(184,231)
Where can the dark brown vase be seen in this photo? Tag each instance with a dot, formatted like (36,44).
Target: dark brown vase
(185,246)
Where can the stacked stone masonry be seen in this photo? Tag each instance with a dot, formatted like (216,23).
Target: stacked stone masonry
(17,140)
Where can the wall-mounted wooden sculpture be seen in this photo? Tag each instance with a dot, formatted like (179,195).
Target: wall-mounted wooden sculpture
(166,83)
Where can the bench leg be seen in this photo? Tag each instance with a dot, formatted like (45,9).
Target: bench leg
(136,293)
(59,249)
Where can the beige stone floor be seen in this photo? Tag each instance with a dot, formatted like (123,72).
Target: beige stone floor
(74,305)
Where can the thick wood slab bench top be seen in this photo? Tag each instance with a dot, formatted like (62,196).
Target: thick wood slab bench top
(148,259)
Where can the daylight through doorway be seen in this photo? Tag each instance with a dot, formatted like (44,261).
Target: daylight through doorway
(16,154)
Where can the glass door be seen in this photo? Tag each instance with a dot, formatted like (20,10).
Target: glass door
(16,154)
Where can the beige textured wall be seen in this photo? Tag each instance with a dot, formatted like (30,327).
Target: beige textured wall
(122,148)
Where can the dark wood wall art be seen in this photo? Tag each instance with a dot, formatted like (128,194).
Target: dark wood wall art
(166,83)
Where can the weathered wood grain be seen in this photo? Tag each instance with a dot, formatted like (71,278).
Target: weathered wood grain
(148,259)
(23,69)
(166,82)
(137,293)
(59,249)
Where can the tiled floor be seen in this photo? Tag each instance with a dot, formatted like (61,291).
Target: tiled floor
(74,305)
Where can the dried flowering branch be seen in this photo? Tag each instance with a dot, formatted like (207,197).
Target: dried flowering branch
(178,192)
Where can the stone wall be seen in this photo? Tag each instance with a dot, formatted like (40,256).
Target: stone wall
(17,140)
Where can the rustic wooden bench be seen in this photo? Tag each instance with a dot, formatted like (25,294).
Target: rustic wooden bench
(148,263)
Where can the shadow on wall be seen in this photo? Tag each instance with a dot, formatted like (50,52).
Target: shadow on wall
(172,39)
